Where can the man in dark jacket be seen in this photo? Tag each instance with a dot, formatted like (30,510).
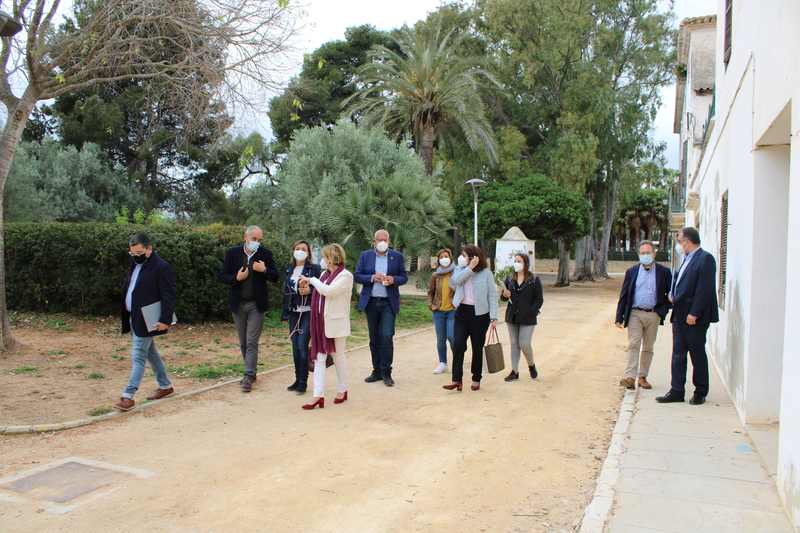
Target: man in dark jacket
(247,270)
(642,308)
(694,309)
(151,280)
(381,271)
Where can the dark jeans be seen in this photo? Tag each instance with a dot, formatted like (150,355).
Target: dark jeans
(380,321)
(301,335)
(474,327)
(249,322)
(692,339)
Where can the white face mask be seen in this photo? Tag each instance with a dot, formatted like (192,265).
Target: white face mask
(679,248)
(462,261)
(445,262)
(518,267)
(323,264)
(382,246)
(300,255)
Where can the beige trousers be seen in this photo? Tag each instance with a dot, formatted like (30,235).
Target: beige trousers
(642,331)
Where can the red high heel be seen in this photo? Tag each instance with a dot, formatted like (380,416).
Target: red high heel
(456,385)
(476,386)
(319,402)
(342,399)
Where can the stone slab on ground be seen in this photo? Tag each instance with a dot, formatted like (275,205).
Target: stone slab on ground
(691,468)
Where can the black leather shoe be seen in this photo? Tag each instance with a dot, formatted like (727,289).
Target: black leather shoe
(388,381)
(697,399)
(293,386)
(534,372)
(512,376)
(372,378)
(301,389)
(670,397)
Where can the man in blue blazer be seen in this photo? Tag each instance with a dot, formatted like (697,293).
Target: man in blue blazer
(694,308)
(381,271)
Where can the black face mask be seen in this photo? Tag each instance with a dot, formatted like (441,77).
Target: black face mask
(139,259)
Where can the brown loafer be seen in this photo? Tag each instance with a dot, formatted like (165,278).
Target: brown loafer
(628,383)
(643,383)
(124,404)
(161,393)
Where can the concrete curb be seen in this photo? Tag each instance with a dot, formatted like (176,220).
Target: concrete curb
(598,511)
(60,426)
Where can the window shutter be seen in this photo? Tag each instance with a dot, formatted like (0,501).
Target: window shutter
(728,31)
(723,250)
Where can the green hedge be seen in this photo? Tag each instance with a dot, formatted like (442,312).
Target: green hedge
(80,268)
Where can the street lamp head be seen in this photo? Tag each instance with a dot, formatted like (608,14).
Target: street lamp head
(475,183)
(8,26)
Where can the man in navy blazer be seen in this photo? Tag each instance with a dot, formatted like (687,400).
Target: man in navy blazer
(150,280)
(642,307)
(694,308)
(381,271)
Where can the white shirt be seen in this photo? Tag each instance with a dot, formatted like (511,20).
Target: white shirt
(686,261)
(295,277)
(131,286)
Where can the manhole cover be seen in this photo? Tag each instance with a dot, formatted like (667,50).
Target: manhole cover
(65,483)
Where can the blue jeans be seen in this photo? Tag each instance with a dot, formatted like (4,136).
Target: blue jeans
(301,335)
(444,324)
(380,322)
(144,349)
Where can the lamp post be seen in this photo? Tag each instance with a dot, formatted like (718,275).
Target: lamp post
(475,183)
(8,26)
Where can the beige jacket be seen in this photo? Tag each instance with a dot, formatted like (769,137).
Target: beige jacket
(337,304)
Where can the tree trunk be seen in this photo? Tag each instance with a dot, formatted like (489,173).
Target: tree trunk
(426,148)
(9,140)
(563,263)
(601,258)
(583,253)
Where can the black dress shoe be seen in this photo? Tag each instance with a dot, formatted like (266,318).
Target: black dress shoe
(697,399)
(670,397)
(372,378)
(512,376)
(293,386)
(388,381)
(534,372)
(301,389)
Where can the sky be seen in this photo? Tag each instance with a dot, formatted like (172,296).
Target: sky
(327,20)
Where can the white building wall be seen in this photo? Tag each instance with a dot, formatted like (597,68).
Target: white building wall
(751,155)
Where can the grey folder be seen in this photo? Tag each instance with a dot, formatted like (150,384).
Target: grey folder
(152,314)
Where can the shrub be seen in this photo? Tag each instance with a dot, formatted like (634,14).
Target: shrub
(81,268)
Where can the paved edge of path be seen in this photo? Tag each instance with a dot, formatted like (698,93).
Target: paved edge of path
(70,424)
(597,513)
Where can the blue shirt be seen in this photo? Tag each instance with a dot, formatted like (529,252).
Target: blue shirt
(382,266)
(134,279)
(644,294)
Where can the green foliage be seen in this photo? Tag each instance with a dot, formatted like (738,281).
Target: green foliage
(426,90)
(101,410)
(25,370)
(93,263)
(541,208)
(96,375)
(315,96)
(342,184)
(50,182)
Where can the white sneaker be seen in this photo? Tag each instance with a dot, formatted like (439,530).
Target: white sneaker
(441,369)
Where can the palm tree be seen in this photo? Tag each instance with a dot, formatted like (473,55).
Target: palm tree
(426,90)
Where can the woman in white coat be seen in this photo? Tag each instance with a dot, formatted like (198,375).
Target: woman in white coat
(330,323)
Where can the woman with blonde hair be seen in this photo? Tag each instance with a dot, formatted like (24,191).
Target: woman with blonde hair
(330,322)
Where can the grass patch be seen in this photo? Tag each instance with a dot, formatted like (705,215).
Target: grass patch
(57,323)
(79,366)
(25,370)
(96,375)
(102,410)
(117,357)
(56,352)
(209,370)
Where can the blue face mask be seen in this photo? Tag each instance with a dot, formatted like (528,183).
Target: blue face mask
(252,246)
(646,260)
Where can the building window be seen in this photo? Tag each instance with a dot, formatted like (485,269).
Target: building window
(723,250)
(728,29)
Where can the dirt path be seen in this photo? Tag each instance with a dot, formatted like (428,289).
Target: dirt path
(512,457)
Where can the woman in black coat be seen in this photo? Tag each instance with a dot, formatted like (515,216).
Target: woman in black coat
(523,292)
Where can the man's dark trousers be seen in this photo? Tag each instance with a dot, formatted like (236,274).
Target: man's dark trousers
(691,339)
(380,321)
